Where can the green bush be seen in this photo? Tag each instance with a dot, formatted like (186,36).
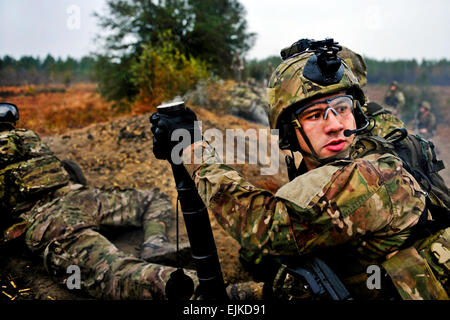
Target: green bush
(162,72)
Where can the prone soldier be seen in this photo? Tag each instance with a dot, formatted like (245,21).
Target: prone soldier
(60,220)
(45,206)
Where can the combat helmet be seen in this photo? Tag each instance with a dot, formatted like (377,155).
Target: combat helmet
(9,114)
(425,104)
(315,70)
(394,84)
(356,63)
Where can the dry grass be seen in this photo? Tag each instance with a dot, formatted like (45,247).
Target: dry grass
(56,110)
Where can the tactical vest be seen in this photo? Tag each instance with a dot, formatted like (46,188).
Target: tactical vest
(418,270)
(28,171)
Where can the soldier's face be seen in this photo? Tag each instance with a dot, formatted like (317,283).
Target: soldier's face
(326,135)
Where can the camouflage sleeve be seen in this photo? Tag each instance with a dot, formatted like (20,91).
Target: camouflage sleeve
(252,216)
(340,202)
(401,99)
(372,199)
(431,122)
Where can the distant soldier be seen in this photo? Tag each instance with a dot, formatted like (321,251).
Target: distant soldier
(268,74)
(395,99)
(425,120)
(237,66)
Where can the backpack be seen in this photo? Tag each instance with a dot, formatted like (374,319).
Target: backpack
(418,156)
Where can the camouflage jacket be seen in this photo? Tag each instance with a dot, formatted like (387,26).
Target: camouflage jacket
(365,205)
(395,99)
(426,121)
(28,172)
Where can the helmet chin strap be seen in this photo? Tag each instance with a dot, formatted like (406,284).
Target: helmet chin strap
(340,155)
(7,126)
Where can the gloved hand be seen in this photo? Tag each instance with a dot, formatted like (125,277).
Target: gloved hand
(164,125)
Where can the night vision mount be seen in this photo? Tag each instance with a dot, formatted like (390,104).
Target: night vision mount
(324,67)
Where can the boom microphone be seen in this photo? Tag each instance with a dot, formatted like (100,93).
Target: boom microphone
(349,132)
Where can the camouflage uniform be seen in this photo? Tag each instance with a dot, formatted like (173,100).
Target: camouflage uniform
(353,211)
(420,271)
(61,221)
(237,66)
(384,120)
(395,99)
(426,120)
(364,207)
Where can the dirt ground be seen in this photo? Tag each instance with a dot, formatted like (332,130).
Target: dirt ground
(119,154)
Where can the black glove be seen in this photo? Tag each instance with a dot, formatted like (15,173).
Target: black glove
(163,126)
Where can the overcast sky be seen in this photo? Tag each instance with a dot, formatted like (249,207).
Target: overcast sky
(381,29)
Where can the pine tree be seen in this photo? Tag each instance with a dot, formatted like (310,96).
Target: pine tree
(208,30)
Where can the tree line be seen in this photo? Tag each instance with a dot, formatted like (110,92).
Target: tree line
(428,72)
(154,50)
(28,70)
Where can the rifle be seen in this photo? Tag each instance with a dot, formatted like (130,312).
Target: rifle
(322,281)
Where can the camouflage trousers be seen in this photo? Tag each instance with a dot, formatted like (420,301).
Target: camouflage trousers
(65,231)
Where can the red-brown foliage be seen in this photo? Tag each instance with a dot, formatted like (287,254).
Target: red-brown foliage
(49,111)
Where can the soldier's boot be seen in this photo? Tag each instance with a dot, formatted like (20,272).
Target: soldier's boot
(158,249)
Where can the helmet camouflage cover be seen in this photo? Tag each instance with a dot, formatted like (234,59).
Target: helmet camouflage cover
(356,63)
(426,105)
(288,86)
